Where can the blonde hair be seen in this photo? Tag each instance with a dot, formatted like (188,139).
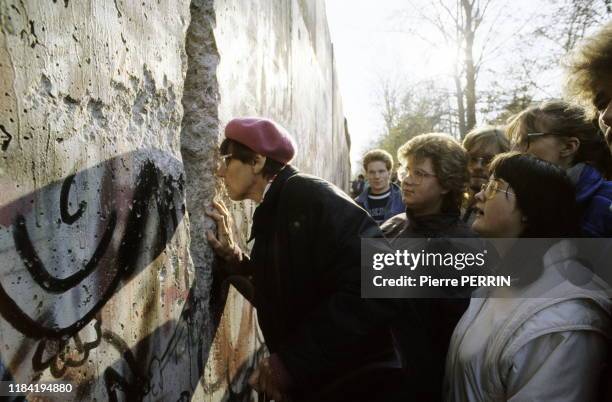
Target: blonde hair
(484,136)
(377,155)
(449,160)
(590,67)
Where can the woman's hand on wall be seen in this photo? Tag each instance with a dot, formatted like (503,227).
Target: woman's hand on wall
(223,242)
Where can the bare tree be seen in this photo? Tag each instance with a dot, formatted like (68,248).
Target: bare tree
(389,102)
(420,109)
(539,50)
(570,20)
(468,27)
(503,61)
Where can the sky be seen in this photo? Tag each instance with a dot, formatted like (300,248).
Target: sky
(372,44)
(366,51)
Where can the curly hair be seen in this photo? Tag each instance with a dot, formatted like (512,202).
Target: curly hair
(589,67)
(449,160)
(378,155)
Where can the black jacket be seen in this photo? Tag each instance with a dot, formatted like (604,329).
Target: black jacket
(447,225)
(305,264)
(423,328)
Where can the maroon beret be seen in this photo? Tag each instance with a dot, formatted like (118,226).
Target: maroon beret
(263,136)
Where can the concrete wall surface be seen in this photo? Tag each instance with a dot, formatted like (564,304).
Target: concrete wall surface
(276,60)
(269,58)
(111,112)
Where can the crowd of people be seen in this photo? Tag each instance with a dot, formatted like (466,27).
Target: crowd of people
(544,175)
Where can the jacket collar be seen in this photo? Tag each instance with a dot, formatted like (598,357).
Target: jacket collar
(436,223)
(587,180)
(265,212)
(363,197)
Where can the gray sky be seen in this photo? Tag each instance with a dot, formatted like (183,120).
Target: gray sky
(369,46)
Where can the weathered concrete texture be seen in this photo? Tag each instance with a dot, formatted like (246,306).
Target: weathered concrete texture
(237,341)
(96,281)
(267,58)
(276,60)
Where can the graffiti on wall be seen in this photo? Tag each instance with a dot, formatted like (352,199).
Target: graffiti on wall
(70,250)
(69,247)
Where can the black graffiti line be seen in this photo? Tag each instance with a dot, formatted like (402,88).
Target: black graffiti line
(37,363)
(57,371)
(37,269)
(6,138)
(82,348)
(23,323)
(113,380)
(33,329)
(64,196)
(125,262)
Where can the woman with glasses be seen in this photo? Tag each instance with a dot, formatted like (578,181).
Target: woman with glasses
(560,133)
(545,337)
(481,144)
(434,177)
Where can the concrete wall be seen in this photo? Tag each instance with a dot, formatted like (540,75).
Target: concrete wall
(276,59)
(269,58)
(95,272)
(110,116)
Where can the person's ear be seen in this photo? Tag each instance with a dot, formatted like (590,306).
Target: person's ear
(570,147)
(258,163)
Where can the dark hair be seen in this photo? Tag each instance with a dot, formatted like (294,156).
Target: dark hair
(360,176)
(564,119)
(246,155)
(546,197)
(544,194)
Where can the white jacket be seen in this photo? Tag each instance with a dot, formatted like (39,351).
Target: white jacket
(511,346)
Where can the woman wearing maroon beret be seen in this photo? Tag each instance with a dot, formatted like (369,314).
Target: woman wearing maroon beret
(304,267)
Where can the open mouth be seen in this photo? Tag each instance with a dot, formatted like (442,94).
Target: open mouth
(478,211)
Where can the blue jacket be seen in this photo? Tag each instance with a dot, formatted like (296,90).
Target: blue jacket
(395,205)
(594,196)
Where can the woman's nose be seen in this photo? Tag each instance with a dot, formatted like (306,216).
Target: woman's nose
(480,196)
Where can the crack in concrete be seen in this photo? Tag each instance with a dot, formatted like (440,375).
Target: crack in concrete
(117,8)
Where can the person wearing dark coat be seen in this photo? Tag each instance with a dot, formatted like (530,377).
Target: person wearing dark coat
(357,186)
(382,198)
(304,265)
(434,177)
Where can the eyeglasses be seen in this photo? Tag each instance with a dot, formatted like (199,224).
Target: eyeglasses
(417,176)
(524,143)
(224,160)
(491,187)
